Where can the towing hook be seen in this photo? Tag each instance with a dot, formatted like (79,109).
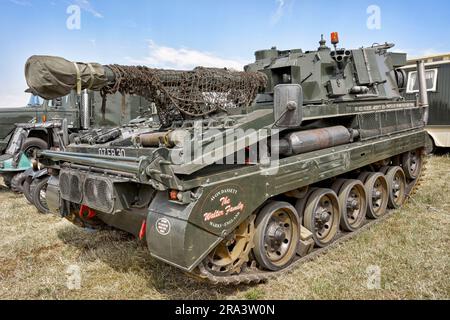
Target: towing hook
(90,212)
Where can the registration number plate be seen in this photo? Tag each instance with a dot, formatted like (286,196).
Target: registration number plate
(111,152)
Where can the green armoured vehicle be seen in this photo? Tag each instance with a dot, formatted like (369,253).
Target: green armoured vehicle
(72,114)
(249,172)
(35,109)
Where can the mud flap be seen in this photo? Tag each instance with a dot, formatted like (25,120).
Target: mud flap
(53,196)
(172,239)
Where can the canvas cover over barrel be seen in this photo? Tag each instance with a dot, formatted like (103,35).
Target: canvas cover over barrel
(177,94)
(53,77)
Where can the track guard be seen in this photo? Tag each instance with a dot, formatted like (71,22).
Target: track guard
(171,238)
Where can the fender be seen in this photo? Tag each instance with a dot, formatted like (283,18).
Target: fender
(37,174)
(172,238)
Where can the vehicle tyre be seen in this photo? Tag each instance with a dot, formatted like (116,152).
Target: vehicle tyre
(412,164)
(337,185)
(430,146)
(32,144)
(39,195)
(322,216)
(27,189)
(377,195)
(277,232)
(396,179)
(363,176)
(353,204)
(7,177)
(301,203)
(17,182)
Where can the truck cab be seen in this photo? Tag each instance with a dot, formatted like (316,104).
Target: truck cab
(37,110)
(52,124)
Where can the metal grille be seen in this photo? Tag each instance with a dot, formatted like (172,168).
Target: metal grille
(369,125)
(389,122)
(417,118)
(64,184)
(70,186)
(403,119)
(372,125)
(99,194)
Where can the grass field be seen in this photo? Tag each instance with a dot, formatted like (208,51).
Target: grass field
(411,250)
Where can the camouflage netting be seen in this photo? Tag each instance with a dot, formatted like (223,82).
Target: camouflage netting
(177,94)
(196,93)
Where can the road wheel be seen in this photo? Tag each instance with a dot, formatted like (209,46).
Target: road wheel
(337,185)
(322,216)
(17,182)
(378,196)
(301,203)
(33,144)
(363,176)
(27,190)
(39,195)
(353,204)
(277,235)
(412,164)
(396,179)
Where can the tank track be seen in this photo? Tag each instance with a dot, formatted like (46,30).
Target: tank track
(252,275)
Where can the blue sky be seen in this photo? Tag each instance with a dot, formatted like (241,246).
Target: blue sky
(186,33)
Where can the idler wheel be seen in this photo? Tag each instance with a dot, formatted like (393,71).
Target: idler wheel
(277,235)
(322,216)
(412,164)
(353,204)
(377,195)
(396,179)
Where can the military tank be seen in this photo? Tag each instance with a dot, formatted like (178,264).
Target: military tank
(247,174)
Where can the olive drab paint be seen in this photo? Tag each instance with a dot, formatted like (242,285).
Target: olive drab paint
(329,113)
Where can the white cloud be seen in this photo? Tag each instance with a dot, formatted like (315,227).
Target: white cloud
(183,58)
(19,99)
(21,2)
(430,52)
(417,53)
(279,12)
(87,6)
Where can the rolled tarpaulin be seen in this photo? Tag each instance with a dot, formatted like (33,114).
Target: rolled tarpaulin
(53,77)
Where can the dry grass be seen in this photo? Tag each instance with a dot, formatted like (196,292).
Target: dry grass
(411,250)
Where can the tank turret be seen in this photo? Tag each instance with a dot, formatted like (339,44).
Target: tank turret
(334,75)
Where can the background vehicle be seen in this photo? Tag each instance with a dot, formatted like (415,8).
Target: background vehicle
(58,121)
(438,87)
(10,116)
(248,171)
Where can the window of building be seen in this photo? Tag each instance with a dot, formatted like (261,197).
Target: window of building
(431,79)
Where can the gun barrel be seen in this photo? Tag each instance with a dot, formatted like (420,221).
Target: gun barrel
(194,93)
